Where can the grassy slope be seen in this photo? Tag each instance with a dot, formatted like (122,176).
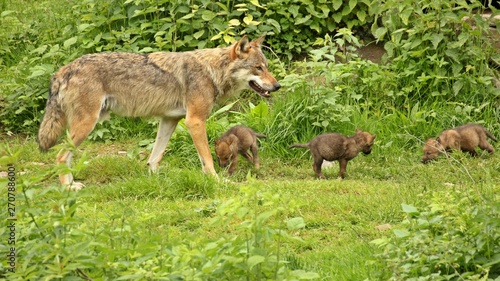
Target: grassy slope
(341,215)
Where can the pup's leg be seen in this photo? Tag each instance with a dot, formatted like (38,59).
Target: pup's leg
(165,131)
(232,167)
(343,167)
(255,151)
(247,156)
(196,116)
(318,161)
(485,145)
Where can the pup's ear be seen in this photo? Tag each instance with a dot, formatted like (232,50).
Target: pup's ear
(240,48)
(358,131)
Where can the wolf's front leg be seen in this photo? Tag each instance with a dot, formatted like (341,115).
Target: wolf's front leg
(197,129)
(64,157)
(165,131)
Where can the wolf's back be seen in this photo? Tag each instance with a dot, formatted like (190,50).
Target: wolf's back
(54,119)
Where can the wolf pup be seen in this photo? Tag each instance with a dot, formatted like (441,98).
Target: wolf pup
(238,139)
(167,85)
(335,146)
(464,138)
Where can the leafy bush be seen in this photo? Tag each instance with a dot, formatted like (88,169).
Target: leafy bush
(53,241)
(436,54)
(450,239)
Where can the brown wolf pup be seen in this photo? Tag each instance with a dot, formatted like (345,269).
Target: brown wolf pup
(335,146)
(238,139)
(464,138)
(167,85)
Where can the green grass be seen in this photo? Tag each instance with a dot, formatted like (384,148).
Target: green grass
(340,215)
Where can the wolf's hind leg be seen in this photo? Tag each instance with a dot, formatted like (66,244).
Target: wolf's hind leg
(80,127)
(165,131)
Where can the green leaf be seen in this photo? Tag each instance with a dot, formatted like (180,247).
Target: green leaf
(198,34)
(208,15)
(436,38)
(261,110)
(337,4)
(380,32)
(302,20)
(256,3)
(409,209)
(361,14)
(248,19)
(295,223)
(405,15)
(337,17)
(70,41)
(188,16)
(254,260)
(29,193)
(401,233)
(457,86)
(83,26)
(234,22)
(352,4)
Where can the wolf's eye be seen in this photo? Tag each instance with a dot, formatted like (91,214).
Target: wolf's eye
(259,68)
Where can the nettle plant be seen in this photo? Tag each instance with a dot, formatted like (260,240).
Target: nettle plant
(440,49)
(452,238)
(56,242)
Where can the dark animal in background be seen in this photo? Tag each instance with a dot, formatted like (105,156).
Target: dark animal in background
(465,138)
(237,140)
(335,146)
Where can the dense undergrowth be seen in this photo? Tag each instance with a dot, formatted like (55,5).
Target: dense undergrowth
(440,71)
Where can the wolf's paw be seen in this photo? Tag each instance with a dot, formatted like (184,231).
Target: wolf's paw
(75,186)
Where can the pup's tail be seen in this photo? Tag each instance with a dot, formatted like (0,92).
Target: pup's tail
(260,135)
(489,135)
(54,119)
(299,145)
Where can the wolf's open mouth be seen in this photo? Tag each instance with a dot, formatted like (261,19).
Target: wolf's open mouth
(258,89)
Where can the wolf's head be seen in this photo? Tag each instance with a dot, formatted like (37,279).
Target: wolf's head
(250,66)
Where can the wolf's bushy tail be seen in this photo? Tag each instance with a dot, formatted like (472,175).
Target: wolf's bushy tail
(54,119)
(299,145)
(489,135)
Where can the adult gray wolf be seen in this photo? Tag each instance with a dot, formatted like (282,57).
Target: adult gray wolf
(465,138)
(335,146)
(238,139)
(167,85)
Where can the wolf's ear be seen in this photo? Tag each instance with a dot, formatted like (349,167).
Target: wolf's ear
(240,48)
(258,42)
(358,131)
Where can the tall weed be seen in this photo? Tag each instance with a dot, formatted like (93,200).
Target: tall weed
(53,241)
(450,239)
